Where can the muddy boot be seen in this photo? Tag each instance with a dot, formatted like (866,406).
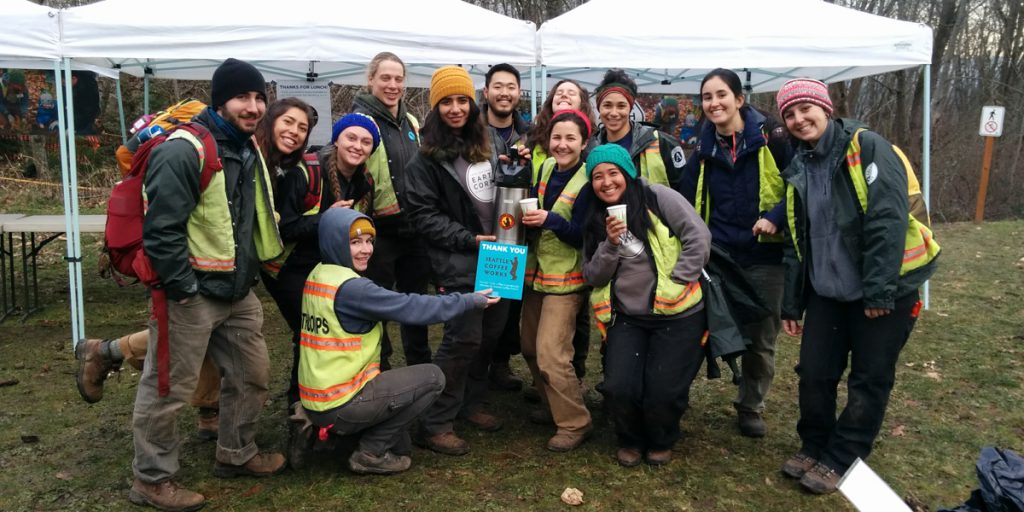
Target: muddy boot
(94,364)
(366,463)
(166,495)
(502,378)
(261,465)
(300,437)
(208,424)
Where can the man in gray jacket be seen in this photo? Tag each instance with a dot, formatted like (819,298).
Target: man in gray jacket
(206,241)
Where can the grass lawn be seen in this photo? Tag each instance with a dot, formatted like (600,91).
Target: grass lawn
(958,389)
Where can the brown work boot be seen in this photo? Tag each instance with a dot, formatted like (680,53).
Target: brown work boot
(166,495)
(797,465)
(628,457)
(658,457)
(366,463)
(820,479)
(446,443)
(261,465)
(502,379)
(94,364)
(566,441)
(484,421)
(208,424)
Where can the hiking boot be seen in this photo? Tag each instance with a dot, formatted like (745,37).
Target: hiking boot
(166,495)
(94,364)
(541,417)
(300,436)
(628,457)
(566,441)
(261,465)
(484,421)
(751,424)
(366,463)
(502,378)
(658,457)
(820,479)
(531,394)
(446,443)
(797,465)
(208,424)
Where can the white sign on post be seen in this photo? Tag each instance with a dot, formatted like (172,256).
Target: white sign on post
(991,121)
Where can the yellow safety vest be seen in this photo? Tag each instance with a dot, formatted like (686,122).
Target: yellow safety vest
(652,167)
(385,201)
(919,246)
(334,364)
(211,241)
(553,266)
(273,267)
(770,191)
(670,297)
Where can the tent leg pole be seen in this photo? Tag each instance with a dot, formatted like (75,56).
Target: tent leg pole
(533,93)
(120,112)
(145,93)
(926,160)
(66,117)
(543,83)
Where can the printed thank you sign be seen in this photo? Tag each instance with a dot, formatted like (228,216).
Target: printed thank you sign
(501,267)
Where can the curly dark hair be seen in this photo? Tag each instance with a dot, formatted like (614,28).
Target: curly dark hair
(538,134)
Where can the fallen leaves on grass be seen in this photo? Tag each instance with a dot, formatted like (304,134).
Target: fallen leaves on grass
(572,496)
(898,431)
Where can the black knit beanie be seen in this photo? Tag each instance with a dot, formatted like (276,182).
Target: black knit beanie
(234,77)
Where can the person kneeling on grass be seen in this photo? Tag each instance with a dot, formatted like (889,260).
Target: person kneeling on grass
(340,383)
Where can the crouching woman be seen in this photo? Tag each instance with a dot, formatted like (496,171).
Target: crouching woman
(646,297)
(340,383)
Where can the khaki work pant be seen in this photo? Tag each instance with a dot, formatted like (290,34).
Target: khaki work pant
(207,394)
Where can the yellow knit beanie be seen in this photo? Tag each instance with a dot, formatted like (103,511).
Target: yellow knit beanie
(361,226)
(449,80)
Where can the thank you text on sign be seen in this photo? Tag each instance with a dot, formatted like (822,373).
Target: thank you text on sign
(501,267)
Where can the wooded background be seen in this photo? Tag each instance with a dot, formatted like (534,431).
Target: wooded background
(977,60)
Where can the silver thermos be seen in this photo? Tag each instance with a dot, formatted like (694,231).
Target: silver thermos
(513,184)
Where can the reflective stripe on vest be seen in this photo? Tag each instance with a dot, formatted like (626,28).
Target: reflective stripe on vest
(670,297)
(273,267)
(210,234)
(919,248)
(553,266)
(385,200)
(770,191)
(334,364)
(652,167)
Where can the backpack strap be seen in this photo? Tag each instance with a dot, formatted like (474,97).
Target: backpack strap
(314,171)
(208,146)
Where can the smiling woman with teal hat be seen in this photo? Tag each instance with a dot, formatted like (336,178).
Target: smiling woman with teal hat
(647,301)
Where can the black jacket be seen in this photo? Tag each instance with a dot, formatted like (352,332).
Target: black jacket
(402,142)
(172,190)
(443,215)
(668,147)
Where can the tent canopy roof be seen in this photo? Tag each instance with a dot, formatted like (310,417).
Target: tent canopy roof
(31,34)
(774,41)
(334,40)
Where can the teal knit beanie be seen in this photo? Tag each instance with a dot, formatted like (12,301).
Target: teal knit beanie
(610,153)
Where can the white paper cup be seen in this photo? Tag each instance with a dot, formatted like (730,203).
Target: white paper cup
(528,205)
(618,211)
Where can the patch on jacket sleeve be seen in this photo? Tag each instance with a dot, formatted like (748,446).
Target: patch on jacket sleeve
(870,173)
(678,158)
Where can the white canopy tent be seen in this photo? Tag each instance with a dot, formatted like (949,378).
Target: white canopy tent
(670,52)
(305,39)
(31,36)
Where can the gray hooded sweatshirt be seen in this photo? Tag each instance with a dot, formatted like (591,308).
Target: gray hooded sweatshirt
(360,303)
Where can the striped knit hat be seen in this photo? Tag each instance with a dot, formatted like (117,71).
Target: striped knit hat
(801,90)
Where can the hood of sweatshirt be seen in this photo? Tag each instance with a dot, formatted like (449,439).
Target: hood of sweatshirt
(335,224)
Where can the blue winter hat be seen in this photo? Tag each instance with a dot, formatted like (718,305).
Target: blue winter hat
(610,153)
(356,119)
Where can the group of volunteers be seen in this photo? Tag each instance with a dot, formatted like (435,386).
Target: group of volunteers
(814,210)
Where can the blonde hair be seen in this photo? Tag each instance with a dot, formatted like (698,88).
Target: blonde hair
(371,69)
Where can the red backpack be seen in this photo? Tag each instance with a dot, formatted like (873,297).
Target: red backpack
(126,211)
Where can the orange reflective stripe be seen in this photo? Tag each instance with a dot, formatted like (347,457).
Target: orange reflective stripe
(340,390)
(853,159)
(603,307)
(387,210)
(567,198)
(919,251)
(669,303)
(211,264)
(325,343)
(652,147)
(320,289)
(559,279)
(541,187)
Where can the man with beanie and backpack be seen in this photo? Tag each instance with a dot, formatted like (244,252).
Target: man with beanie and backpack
(205,236)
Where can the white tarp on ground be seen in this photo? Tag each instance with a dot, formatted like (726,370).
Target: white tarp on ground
(189,38)
(669,45)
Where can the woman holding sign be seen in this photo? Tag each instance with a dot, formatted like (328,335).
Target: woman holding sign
(644,248)
(450,201)
(554,279)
